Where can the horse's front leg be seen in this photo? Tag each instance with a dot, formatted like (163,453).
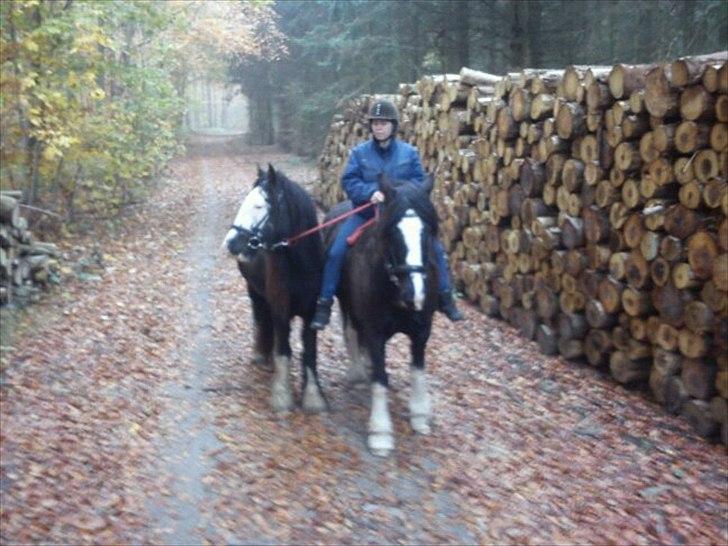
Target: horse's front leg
(359,369)
(281,396)
(264,331)
(420,406)
(381,437)
(313,398)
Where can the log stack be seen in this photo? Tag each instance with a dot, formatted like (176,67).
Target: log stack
(588,208)
(26,265)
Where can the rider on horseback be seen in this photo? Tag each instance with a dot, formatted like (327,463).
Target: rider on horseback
(398,160)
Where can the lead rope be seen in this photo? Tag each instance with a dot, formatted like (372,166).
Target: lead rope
(326,224)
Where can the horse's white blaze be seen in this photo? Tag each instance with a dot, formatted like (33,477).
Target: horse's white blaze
(419,403)
(252,211)
(380,440)
(313,401)
(280,396)
(412,228)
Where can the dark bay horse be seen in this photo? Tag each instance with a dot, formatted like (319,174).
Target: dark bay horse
(389,285)
(283,279)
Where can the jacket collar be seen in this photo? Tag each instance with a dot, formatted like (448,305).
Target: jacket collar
(385,152)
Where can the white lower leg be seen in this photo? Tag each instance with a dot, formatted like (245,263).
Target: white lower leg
(419,403)
(381,439)
(313,400)
(281,397)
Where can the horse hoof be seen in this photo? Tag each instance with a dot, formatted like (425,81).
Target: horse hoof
(281,401)
(380,444)
(313,402)
(282,409)
(357,374)
(357,381)
(420,424)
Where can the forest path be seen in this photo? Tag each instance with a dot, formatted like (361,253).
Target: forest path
(132,413)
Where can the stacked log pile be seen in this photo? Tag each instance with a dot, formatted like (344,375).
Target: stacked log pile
(588,208)
(26,265)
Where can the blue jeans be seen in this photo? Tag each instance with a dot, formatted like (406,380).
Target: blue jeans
(337,254)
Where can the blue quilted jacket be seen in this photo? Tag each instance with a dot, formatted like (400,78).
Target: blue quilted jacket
(399,161)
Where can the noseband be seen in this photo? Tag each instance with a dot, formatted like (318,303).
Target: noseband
(394,270)
(254,235)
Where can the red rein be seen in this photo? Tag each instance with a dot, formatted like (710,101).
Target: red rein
(351,239)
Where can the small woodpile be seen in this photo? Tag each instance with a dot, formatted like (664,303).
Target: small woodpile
(26,265)
(588,208)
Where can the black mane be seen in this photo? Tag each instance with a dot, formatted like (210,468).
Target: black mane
(294,212)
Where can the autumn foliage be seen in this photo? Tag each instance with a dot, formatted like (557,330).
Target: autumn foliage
(92,92)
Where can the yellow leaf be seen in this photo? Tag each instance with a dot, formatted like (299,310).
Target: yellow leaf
(224,437)
(135,428)
(30,45)
(51,152)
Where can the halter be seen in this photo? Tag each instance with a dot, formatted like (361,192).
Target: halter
(255,234)
(399,269)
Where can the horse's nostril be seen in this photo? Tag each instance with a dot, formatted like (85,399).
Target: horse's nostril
(235,246)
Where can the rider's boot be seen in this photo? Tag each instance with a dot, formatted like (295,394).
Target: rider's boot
(448,307)
(323,313)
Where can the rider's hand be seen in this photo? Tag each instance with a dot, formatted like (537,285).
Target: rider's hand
(377,197)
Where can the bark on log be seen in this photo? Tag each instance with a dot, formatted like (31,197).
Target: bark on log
(698,377)
(698,414)
(626,370)
(661,99)
(689,70)
(472,77)
(9,210)
(675,395)
(625,79)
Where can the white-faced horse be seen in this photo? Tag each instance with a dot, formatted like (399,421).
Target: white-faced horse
(389,285)
(283,278)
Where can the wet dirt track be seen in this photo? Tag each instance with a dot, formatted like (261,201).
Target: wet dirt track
(132,414)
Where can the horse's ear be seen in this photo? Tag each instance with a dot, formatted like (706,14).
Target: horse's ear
(429,183)
(386,187)
(260,176)
(271,175)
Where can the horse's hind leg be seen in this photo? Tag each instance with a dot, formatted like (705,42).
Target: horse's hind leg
(281,396)
(359,369)
(381,437)
(263,329)
(313,399)
(420,406)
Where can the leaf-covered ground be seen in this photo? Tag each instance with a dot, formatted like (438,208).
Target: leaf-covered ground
(131,413)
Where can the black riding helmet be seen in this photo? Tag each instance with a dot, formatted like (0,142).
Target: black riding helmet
(386,110)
